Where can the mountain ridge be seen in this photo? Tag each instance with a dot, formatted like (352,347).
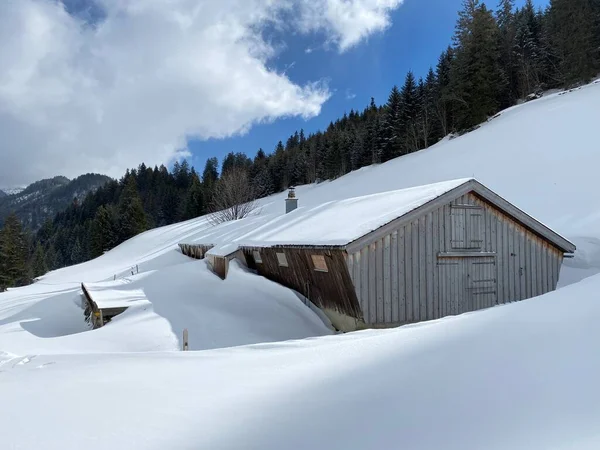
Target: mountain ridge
(42,199)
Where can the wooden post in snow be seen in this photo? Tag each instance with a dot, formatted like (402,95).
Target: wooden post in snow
(185,340)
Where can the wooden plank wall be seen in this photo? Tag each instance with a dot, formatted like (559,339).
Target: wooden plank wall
(328,290)
(400,278)
(92,313)
(195,251)
(528,266)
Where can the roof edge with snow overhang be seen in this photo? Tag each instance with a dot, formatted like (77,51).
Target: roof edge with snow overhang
(469,185)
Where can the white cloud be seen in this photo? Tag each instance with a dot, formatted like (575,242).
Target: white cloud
(350,95)
(347,22)
(76,98)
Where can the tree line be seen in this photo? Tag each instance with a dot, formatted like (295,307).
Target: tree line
(496,59)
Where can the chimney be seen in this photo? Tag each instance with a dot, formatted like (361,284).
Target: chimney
(291,203)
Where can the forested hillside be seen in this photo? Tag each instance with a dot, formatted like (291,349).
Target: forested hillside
(496,59)
(43,199)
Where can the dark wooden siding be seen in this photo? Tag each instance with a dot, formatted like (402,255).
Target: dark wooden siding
(195,251)
(331,290)
(220,266)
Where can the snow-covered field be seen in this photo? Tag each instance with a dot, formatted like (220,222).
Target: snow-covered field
(519,376)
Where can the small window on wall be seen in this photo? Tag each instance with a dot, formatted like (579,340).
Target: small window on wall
(466,227)
(282,260)
(257,258)
(319,263)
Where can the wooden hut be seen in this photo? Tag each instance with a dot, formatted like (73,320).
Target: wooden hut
(411,255)
(103,301)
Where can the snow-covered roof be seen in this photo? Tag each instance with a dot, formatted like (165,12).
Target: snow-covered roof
(105,295)
(341,222)
(334,223)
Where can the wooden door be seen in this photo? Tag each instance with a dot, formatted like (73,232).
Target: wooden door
(482,283)
(467,284)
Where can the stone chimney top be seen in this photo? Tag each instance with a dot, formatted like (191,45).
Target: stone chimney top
(291,202)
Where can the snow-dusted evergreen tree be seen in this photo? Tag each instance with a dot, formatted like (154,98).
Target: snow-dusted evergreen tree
(575,37)
(529,51)
(77,255)
(132,217)
(408,115)
(426,123)
(478,78)
(445,98)
(357,150)
(373,136)
(390,129)
(104,235)
(39,266)
(507,25)
(13,254)
(193,204)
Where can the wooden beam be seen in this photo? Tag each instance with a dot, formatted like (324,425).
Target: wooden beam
(465,254)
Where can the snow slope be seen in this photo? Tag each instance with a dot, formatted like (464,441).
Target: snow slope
(518,376)
(245,309)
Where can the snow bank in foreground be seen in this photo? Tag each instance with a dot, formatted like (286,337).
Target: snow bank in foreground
(522,376)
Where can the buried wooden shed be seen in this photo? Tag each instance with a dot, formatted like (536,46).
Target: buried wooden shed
(104,301)
(411,255)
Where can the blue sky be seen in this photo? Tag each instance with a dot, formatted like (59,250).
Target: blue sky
(420,31)
(109,84)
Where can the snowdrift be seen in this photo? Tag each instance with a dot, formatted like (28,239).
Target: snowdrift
(522,376)
(518,376)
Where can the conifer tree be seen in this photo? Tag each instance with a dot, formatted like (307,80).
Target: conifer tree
(391,130)
(357,153)
(259,174)
(530,53)
(77,255)
(575,36)
(429,107)
(103,234)
(39,266)
(210,175)
(51,257)
(445,98)
(13,254)
(182,176)
(132,218)
(505,16)
(193,206)
(478,78)
(464,24)
(278,168)
(408,115)
(373,136)
(425,127)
